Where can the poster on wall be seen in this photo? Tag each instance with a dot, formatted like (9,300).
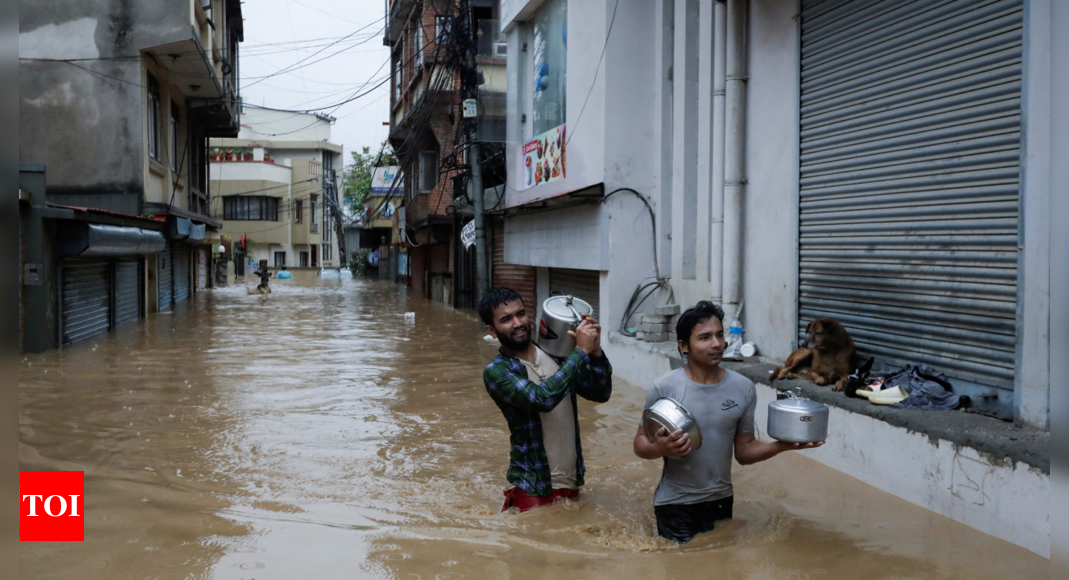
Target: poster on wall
(383,180)
(542,159)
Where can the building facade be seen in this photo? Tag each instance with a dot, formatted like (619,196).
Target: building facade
(426,133)
(275,191)
(882,163)
(116,104)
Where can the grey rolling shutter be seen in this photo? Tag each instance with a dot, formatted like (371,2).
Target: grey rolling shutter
(584,284)
(85,299)
(181,272)
(910,132)
(127,291)
(164,279)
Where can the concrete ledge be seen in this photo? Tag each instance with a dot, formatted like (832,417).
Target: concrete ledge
(985,473)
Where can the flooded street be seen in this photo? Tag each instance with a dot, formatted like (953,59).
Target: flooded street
(312,433)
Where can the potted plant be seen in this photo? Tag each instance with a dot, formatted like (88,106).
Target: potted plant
(248,156)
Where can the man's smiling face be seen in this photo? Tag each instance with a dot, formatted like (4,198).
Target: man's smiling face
(512,326)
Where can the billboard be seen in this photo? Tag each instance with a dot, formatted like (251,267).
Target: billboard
(542,159)
(382,180)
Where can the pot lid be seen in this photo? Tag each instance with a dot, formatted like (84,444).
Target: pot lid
(558,307)
(801,405)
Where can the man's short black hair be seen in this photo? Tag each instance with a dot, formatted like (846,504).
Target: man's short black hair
(701,313)
(494,298)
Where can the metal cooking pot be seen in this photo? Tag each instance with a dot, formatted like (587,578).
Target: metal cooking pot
(671,415)
(798,421)
(559,315)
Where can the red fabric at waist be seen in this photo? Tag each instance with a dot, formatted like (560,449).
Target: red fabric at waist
(517,498)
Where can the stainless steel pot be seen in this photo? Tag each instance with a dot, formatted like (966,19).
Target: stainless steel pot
(559,315)
(797,421)
(671,415)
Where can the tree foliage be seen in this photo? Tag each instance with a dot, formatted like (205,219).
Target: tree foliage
(365,161)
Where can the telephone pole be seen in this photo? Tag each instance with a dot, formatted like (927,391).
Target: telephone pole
(470,84)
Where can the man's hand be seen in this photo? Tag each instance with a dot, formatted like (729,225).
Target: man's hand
(798,446)
(587,336)
(664,444)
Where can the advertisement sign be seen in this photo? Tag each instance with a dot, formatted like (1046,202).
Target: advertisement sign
(542,159)
(467,235)
(382,179)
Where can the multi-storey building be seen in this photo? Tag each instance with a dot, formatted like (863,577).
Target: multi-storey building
(427,137)
(116,103)
(275,190)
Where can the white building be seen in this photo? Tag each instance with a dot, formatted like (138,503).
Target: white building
(884,163)
(275,186)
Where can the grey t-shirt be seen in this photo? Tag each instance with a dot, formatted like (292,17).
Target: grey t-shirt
(722,410)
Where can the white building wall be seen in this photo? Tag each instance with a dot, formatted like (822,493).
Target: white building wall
(271,124)
(770,231)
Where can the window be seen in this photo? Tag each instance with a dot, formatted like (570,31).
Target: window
(175,149)
(298,211)
(250,208)
(398,75)
(444,28)
(312,204)
(280,259)
(549,56)
(304,259)
(418,42)
(153,113)
(428,171)
(328,252)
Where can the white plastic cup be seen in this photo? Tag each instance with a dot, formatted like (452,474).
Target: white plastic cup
(748,349)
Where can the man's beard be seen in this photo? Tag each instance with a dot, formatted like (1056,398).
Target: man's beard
(514,345)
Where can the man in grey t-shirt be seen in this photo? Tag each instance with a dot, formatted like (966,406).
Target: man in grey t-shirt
(695,489)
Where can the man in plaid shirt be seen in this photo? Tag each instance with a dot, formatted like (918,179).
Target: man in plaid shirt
(537,395)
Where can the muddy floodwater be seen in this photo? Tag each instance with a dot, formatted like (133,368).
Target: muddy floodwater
(314,434)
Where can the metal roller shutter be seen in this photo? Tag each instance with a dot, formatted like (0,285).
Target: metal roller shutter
(181,272)
(127,288)
(164,279)
(519,278)
(910,133)
(583,284)
(85,298)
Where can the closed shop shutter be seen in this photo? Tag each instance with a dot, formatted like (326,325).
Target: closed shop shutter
(440,258)
(85,298)
(584,284)
(181,272)
(164,279)
(519,278)
(910,133)
(127,307)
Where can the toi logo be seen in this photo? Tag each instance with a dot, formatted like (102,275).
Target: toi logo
(52,506)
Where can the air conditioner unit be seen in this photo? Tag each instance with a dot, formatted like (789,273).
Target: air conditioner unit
(501,50)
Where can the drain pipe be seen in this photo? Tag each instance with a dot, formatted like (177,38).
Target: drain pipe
(716,250)
(734,152)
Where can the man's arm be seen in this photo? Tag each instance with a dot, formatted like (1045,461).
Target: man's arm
(665,445)
(596,383)
(748,450)
(513,389)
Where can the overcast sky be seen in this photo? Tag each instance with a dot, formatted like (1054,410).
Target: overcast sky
(280,33)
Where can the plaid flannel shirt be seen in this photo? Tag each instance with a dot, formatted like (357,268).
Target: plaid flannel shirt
(521,401)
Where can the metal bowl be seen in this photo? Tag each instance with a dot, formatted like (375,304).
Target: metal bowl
(798,421)
(671,415)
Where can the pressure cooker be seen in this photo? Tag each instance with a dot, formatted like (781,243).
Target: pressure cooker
(559,315)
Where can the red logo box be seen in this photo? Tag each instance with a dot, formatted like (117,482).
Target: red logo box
(53,506)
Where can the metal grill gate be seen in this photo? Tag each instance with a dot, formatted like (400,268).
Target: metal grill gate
(910,155)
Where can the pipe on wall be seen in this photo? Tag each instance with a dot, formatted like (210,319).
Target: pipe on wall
(716,249)
(734,152)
